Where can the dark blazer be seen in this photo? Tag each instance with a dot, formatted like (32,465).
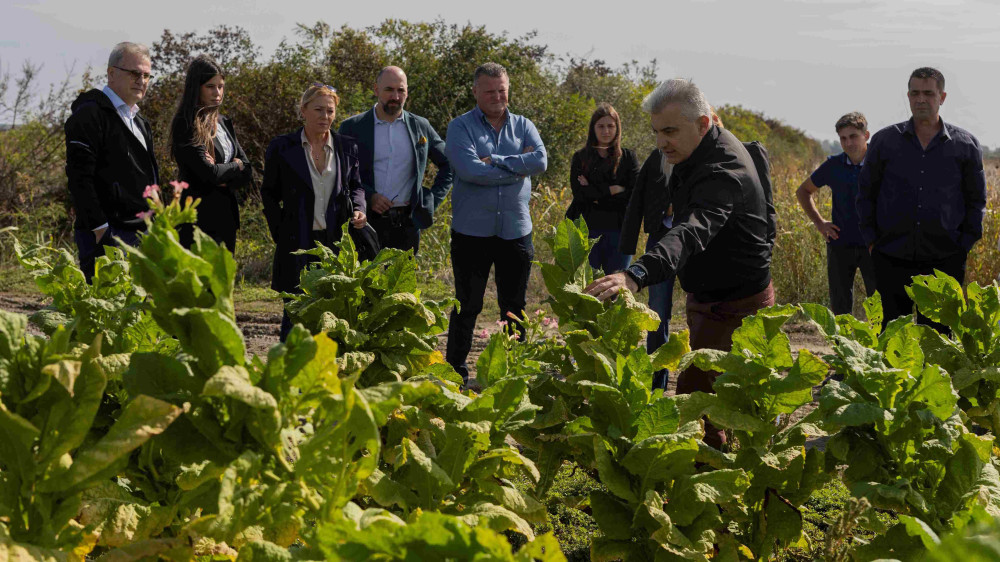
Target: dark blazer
(214,184)
(288,198)
(107,166)
(426,144)
(648,205)
(594,201)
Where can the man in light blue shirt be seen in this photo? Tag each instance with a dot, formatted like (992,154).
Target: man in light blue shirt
(493,153)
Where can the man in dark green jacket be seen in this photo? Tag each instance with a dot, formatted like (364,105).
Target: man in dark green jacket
(394,148)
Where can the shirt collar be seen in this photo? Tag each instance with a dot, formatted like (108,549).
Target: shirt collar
(849,162)
(944,132)
(120,103)
(484,119)
(329,139)
(402,115)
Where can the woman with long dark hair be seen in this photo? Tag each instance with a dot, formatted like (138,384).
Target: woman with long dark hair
(602,175)
(209,158)
(312,186)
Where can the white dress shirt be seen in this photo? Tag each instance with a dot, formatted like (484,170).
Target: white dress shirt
(322,180)
(127,113)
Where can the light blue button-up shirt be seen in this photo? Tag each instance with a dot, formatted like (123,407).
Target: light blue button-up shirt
(127,113)
(492,199)
(394,165)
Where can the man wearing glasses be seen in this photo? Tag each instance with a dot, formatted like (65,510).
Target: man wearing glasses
(109,157)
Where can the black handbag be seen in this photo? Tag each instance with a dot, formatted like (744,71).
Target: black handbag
(365,239)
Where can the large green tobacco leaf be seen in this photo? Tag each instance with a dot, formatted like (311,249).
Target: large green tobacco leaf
(141,419)
(118,518)
(662,458)
(658,417)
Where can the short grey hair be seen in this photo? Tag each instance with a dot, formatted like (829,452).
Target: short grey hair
(125,48)
(491,69)
(678,90)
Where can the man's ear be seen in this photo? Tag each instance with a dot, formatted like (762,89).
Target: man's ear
(868,135)
(943,95)
(704,124)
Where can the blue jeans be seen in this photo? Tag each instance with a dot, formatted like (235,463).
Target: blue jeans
(605,255)
(661,302)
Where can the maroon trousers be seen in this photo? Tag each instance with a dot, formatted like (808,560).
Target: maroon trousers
(711,326)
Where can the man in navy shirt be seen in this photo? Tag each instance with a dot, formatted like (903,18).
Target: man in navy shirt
(922,195)
(846,251)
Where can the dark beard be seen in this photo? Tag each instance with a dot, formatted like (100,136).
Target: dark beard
(392,108)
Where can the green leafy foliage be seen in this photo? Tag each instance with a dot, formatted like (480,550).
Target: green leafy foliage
(373,311)
(760,386)
(112,305)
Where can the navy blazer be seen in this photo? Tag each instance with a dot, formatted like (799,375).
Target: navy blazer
(288,197)
(426,144)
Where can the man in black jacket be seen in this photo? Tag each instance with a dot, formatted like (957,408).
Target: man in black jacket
(109,157)
(721,239)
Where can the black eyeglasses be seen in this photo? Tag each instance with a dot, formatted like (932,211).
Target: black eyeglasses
(136,75)
(327,86)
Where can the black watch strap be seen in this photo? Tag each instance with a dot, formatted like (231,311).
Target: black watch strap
(637,274)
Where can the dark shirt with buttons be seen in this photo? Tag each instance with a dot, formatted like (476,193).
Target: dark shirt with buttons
(841,175)
(922,204)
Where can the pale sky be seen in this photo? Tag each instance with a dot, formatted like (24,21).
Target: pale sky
(805,62)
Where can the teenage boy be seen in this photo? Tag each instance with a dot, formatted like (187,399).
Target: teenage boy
(846,251)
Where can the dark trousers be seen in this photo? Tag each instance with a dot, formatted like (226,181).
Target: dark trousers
(324,238)
(471,260)
(892,275)
(396,229)
(661,302)
(605,255)
(712,325)
(841,264)
(90,249)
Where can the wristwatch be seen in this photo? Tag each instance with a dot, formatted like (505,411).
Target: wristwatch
(637,274)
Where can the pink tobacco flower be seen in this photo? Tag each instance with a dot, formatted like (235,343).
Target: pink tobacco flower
(538,312)
(150,191)
(144,215)
(179,185)
(546,321)
(501,323)
(484,334)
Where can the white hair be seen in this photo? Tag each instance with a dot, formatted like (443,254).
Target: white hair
(125,48)
(666,167)
(678,90)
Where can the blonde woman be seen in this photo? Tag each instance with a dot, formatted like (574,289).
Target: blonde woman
(311,188)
